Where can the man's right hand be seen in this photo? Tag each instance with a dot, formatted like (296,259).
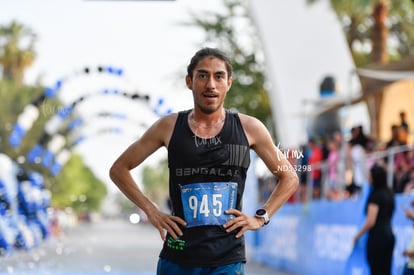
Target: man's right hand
(165,222)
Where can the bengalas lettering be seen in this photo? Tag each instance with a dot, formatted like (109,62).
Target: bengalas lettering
(205,171)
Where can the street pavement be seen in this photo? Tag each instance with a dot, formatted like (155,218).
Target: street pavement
(107,246)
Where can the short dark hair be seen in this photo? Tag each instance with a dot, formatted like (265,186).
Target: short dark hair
(204,52)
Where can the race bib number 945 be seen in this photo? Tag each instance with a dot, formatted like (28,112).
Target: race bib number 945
(204,203)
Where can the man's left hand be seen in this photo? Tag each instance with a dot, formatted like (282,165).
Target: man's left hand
(242,221)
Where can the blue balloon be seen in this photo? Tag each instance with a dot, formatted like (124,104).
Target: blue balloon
(19,130)
(55,169)
(65,112)
(47,158)
(59,84)
(119,72)
(16,135)
(75,123)
(116,130)
(50,92)
(15,140)
(36,179)
(119,116)
(36,152)
(79,140)
(110,70)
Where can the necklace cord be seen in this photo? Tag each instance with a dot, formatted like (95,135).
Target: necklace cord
(197,125)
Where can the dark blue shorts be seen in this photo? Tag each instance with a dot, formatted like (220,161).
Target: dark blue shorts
(166,267)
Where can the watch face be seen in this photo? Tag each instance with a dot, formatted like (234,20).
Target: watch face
(260,212)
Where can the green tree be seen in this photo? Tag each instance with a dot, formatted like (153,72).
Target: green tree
(17,51)
(233,32)
(376,30)
(76,181)
(77,187)
(155,181)
(13,100)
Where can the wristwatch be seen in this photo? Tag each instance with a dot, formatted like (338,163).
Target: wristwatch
(262,213)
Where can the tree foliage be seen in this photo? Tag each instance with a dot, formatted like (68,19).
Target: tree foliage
(76,180)
(17,51)
(155,181)
(360,20)
(14,98)
(77,187)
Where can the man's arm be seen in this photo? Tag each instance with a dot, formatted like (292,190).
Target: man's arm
(261,142)
(156,136)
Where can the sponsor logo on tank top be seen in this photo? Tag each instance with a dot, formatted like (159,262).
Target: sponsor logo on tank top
(199,141)
(225,172)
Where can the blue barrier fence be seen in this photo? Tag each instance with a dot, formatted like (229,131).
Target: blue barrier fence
(316,238)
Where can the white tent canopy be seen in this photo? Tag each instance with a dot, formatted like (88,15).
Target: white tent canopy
(386,75)
(303,44)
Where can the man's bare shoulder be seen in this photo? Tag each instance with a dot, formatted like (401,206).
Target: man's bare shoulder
(169,119)
(249,122)
(162,129)
(255,130)
(166,123)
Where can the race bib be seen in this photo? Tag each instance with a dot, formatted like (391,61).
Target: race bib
(204,203)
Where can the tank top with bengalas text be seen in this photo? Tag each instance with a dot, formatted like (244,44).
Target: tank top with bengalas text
(207,177)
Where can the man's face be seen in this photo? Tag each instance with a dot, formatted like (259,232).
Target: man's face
(209,84)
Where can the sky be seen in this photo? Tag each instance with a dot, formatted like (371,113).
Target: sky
(144,38)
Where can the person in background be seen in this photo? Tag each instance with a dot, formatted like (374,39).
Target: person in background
(357,161)
(379,212)
(314,160)
(208,157)
(404,123)
(333,188)
(407,183)
(303,174)
(395,139)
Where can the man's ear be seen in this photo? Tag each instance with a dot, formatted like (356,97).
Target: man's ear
(188,82)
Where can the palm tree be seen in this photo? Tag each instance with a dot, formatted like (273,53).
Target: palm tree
(17,50)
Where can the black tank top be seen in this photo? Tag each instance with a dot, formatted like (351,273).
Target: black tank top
(191,159)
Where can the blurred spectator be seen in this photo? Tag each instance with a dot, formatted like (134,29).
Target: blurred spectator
(395,137)
(315,159)
(379,212)
(357,161)
(303,173)
(333,188)
(342,164)
(404,123)
(402,161)
(406,185)
(358,136)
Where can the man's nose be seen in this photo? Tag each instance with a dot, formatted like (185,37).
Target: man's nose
(211,83)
